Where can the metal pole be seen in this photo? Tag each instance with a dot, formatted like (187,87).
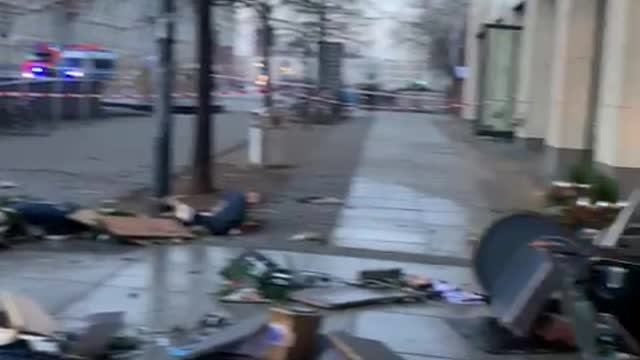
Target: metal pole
(162,108)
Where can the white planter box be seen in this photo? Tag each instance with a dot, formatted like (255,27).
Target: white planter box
(268,146)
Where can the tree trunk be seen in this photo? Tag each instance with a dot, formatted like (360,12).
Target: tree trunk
(163,140)
(323,37)
(202,157)
(266,54)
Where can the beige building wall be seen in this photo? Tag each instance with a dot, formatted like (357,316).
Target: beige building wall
(617,135)
(578,81)
(572,61)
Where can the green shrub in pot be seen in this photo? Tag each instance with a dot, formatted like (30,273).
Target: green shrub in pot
(604,188)
(581,174)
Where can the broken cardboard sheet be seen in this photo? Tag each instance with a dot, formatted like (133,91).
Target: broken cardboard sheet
(144,228)
(348,347)
(341,297)
(25,315)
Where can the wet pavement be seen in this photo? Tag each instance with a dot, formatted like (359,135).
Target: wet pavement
(164,287)
(92,160)
(415,191)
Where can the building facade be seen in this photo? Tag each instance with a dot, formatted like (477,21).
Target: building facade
(563,76)
(123,26)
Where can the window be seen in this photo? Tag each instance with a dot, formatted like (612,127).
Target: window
(41,57)
(103,64)
(72,63)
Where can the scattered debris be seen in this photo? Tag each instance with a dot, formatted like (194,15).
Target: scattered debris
(253,277)
(25,315)
(245,296)
(342,297)
(309,236)
(299,327)
(232,334)
(320,200)
(5,185)
(384,276)
(214,320)
(454,295)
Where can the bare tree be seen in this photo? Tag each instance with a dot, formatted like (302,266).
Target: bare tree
(264,10)
(324,19)
(430,27)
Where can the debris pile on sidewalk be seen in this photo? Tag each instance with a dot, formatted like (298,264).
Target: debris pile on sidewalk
(254,278)
(284,333)
(22,218)
(28,332)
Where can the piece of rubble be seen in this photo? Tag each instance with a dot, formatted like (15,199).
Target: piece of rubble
(8,185)
(245,296)
(309,236)
(321,200)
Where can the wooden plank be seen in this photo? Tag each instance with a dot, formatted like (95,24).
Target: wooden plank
(144,228)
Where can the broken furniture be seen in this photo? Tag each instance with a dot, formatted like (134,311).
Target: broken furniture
(598,334)
(521,279)
(302,325)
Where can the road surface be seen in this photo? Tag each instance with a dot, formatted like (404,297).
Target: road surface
(92,160)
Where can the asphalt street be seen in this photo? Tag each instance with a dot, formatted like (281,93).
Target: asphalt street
(95,159)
